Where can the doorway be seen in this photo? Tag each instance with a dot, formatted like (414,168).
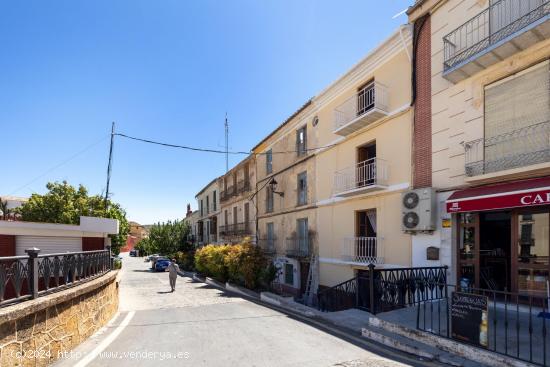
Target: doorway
(495,250)
(366,165)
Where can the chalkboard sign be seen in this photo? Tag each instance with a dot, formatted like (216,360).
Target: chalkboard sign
(469,318)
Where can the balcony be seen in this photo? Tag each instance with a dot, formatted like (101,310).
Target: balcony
(363,250)
(366,176)
(506,27)
(520,148)
(237,229)
(298,247)
(243,186)
(365,107)
(268,246)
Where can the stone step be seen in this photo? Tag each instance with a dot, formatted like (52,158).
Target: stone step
(474,355)
(416,348)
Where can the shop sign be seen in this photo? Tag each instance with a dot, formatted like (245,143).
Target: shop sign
(469,318)
(500,201)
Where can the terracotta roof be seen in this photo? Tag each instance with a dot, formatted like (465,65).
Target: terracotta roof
(305,105)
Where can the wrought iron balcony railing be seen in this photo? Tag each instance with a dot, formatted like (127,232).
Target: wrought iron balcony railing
(364,176)
(364,107)
(298,246)
(243,186)
(366,250)
(227,193)
(523,147)
(237,229)
(501,20)
(268,245)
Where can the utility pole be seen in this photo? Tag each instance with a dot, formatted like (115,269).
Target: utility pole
(226,144)
(109,165)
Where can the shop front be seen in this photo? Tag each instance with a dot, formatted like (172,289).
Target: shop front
(503,240)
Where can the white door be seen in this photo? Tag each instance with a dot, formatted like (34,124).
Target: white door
(47,245)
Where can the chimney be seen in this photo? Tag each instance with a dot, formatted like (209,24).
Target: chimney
(189,211)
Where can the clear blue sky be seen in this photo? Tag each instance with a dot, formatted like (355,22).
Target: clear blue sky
(164,70)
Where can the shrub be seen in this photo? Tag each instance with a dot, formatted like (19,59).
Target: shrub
(242,263)
(245,264)
(210,260)
(117,264)
(185,259)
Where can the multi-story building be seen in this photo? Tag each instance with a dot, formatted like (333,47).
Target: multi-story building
(208,201)
(191,218)
(482,138)
(237,219)
(364,122)
(286,197)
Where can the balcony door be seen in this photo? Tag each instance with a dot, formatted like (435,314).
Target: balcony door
(303,235)
(365,171)
(246,216)
(365,235)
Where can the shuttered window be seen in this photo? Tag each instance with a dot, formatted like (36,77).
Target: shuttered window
(517,110)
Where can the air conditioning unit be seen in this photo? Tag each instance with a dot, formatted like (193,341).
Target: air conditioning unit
(419,210)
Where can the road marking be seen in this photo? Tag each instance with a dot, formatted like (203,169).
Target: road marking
(105,342)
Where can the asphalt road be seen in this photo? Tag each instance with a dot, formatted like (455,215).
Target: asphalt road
(199,325)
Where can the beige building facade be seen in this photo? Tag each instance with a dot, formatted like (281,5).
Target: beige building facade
(208,201)
(237,218)
(286,198)
(365,127)
(487,119)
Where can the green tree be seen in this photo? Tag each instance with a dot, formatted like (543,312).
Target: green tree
(63,203)
(169,238)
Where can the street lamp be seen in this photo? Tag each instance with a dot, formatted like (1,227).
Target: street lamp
(273,186)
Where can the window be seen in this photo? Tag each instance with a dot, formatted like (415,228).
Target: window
(270,227)
(289,274)
(301,141)
(214,201)
(269,200)
(268,162)
(207,204)
(516,121)
(302,188)
(235,215)
(202,209)
(303,236)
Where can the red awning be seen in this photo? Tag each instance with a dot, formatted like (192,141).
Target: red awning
(525,193)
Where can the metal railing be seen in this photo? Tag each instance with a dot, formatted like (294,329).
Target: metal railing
(242,228)
(268,245)
(367,173)
(298,246)
(516,323)
(381,290)
(243,186)
(500,20)
(519,148)
(228,193)
(27,277)
(365,250)
(371,97)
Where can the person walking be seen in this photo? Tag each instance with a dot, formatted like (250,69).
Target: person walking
(173,269)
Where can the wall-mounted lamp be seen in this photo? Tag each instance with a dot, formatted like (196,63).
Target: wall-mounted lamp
(273,185)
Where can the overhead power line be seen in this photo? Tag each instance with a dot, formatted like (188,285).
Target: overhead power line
(209,150)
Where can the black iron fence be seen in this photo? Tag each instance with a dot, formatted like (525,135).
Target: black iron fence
(514,325)
(237,229)
(31,276)
(381,290)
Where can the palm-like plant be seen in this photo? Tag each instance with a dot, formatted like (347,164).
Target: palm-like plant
(4,209)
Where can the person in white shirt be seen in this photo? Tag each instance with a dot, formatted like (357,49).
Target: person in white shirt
(173,269)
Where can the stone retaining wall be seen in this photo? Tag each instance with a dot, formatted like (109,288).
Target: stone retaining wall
(37,332)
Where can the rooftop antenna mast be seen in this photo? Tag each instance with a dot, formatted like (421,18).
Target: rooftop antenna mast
(226,144)
(110,165)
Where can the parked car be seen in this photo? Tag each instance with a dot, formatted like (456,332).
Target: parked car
(161,264)
(133,253)
(154,259)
